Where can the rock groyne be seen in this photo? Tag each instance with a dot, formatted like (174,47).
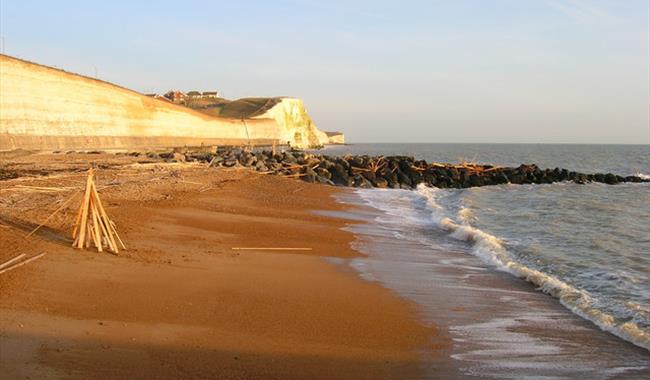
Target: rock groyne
(396,172)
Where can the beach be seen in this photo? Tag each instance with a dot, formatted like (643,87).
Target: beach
(180,302)
(235,273)
(325,190)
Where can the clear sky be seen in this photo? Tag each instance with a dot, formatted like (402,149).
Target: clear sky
(538,71)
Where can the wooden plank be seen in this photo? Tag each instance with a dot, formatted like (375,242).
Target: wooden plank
(23,263)
(105,218)
(8,263)
(271,249)
(117,235)
(96,235)
(105,234)
(51,215)
(84,213)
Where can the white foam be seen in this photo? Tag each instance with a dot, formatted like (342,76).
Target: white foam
(491,250)
(643,176)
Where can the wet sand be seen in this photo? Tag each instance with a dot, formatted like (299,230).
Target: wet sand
(180,303)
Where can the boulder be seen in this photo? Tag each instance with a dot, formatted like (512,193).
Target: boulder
(323,172)
(230,162)
(340,175)
(324,181)
(611,179)
(362,182)
(380,182)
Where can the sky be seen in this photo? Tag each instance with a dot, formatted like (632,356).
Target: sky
(510,71)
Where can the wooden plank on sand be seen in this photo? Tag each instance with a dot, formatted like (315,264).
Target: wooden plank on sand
(270,249)
(23,263)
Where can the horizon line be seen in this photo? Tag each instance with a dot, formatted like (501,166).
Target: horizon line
(493,143)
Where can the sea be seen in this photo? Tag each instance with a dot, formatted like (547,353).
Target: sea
(530,281)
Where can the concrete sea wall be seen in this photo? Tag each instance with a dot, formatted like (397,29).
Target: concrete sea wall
(45,109)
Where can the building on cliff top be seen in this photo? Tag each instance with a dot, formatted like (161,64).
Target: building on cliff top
(210,94)
(203,95)
(176,96)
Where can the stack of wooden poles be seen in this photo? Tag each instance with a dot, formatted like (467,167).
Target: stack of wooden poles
(93,225)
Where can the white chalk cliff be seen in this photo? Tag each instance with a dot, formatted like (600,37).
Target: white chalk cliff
(46,108)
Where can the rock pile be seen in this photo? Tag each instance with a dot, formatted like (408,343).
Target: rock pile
(387,172)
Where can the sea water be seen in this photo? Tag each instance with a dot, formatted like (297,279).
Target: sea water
(586,246)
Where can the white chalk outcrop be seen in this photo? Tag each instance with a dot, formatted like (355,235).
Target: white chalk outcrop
(291,115)
(46,108)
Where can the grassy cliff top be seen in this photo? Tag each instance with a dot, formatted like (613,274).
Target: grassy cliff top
(237,109)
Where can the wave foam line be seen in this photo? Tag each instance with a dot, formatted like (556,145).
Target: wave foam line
(490,249)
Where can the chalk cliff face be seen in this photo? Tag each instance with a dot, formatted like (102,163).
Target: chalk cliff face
(291,115)
(335,138)
(46,108)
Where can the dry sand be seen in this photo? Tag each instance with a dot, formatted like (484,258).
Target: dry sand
(180,303)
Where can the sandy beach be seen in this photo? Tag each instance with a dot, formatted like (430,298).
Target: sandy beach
(180,302)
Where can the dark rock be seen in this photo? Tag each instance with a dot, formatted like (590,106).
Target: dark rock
(580,178)
(324,181)
(361,181)
(501,178)
(340,175)
(249,161)
(199,156)
(309,176)
(357,161)
(230,162)
(323,172)
(475,180)
(380,182)
(404,179)
(261,166)
(370,176)
(611,179)
(344,163)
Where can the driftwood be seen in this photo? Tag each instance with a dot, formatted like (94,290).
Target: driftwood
(293,166)
(8,263)
(51,215)
(271,249)
(23,263)
(295,175)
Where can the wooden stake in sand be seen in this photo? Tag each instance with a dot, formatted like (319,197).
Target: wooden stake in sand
(92,224)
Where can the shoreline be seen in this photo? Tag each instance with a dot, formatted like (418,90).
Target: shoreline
(501,325)
(180,302)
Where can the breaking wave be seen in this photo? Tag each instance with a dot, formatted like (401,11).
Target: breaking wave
(491,249)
